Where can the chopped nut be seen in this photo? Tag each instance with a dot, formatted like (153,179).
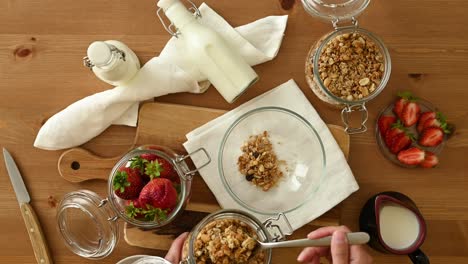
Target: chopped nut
(364,81)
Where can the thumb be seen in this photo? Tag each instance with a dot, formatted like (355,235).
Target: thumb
(175,252)
(339,248)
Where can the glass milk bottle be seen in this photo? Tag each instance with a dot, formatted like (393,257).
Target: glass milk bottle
(223,66)
(112,61)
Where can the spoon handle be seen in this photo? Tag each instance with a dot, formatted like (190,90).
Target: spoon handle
(356,238)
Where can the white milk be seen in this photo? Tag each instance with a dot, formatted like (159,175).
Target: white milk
(399,226)
(223,66)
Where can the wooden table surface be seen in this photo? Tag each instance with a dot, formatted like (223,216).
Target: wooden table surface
(42,43)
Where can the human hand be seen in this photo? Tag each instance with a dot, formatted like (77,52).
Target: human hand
(175,252)
(339,252)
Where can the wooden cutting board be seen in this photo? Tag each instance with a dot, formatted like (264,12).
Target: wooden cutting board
(167,124)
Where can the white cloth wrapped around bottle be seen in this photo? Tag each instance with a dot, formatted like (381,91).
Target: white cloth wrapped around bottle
(171,72)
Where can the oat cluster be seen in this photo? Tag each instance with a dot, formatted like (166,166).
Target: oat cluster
(351,66)
(227,241)
(258,162)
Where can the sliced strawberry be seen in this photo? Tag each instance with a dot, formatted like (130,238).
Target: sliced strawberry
(423,118)
(430,160)
(431,137)
(384,124)
(410,114)
(159,193)
(411,156)
(404,98)
(402,141)
(127,183)
(391,133)
(431,122)
(438,121)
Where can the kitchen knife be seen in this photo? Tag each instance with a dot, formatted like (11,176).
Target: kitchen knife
(30,219)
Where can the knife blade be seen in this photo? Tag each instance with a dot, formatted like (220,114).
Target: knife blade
(39,245)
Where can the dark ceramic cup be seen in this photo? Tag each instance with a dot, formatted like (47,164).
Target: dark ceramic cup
(369,222)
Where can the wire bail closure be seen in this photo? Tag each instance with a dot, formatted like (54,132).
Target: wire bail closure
(364,116)
(172,29)
(273,226)
(189,174)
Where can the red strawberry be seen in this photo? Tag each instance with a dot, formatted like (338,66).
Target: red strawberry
(149,156)
(424,117)
(411,156)
(430,161)
(410,114)
(127,183)
(391,133)
(401,142)
(160,167)
(399,105)
(404,98)
(384,124)
(159,193)
(431,137)
(438,121)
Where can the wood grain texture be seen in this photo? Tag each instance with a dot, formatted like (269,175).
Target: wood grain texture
(42,43)
(36,235)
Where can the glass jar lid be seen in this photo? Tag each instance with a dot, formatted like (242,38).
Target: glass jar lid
(335,10)
(88,227)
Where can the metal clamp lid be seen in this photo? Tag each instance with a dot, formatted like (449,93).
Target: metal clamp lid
(364,116)
(336,21)
(273,225)
(172,29)
(189,174)
(114,51)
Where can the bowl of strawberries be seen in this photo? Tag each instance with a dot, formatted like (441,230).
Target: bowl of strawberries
(411,132)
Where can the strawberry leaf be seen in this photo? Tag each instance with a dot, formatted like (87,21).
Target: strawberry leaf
(132,211)
(120,181)
(155,214)
(138,163)
(407,95)
(153,169)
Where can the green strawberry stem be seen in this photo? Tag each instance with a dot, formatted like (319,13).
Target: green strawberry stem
(407,95)
(153,169)
(138,163)
(443,123)
(120,181)
(132,211)
(155,214)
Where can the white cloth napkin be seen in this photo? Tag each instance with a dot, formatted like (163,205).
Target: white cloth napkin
(257,42)
(338,181)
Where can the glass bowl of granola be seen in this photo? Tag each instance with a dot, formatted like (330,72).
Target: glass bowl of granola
(271,161)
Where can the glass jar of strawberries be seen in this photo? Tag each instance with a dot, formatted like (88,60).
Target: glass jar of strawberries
(148,188)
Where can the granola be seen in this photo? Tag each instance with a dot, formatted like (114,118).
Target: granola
(227,241)
(258,162)
(351,66)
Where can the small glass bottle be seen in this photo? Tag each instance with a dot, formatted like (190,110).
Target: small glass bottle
(112,61)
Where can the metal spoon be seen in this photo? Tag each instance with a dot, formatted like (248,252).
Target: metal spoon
(356,238)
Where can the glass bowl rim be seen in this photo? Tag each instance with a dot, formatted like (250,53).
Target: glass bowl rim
(312,11)
(244,116)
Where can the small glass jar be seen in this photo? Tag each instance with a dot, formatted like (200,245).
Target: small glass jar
(340,13)
(88,224)
(269,231)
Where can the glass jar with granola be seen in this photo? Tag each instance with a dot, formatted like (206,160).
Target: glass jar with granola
(229,236)
(349,66)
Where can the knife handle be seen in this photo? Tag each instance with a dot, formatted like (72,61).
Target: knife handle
(36,235)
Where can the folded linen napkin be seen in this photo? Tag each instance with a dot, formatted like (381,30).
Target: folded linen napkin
(257,42)
(338,182)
